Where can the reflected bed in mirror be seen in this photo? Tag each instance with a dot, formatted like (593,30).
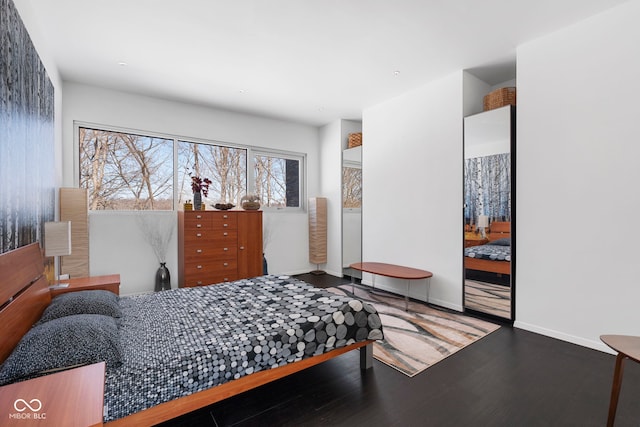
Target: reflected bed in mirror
(489,146)
(488,273)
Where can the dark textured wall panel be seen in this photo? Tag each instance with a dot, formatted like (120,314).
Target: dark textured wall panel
(27,175)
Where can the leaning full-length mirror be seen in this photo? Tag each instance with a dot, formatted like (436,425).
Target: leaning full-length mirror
(351,210)
(489,217)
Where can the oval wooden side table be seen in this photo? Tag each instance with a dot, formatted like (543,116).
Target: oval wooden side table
(627,347)
(397,272)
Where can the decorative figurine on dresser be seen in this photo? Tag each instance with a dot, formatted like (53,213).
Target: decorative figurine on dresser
(218,246)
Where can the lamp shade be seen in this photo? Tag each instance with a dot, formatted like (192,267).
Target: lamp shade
(483,221)
(57,238)
(318,230)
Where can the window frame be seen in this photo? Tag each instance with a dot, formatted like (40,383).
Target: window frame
(252,151)
(280,154)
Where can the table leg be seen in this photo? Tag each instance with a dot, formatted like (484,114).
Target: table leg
(406,298)
(615,388)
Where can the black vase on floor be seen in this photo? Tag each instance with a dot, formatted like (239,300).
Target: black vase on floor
(163,278)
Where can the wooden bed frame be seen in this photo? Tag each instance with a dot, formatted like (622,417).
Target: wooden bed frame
(24,294)
(499,230)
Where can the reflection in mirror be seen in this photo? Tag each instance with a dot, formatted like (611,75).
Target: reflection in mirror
(351,210)
(488,212)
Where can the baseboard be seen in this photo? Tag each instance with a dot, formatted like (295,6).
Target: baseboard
(595,345)
(334,273)
(294,273)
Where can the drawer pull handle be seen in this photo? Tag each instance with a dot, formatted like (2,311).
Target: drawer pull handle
(226,264)
(198,225)
(226,249)
(198,216)
(199,267)
(242,248)
(225,225)
(199,282)
(199,251)
(225,234)
(225,216)
(199,235)
(226,279)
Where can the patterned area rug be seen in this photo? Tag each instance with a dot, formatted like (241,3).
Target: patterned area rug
(420,337)
(488,298)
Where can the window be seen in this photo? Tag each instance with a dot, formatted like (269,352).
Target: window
(125,170)
(226,167)
(277,181)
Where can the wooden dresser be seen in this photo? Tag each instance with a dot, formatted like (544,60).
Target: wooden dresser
(218,246)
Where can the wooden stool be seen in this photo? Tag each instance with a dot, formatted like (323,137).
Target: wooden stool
(627,347)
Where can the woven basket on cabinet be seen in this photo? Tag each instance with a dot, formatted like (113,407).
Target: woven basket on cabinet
(499,98)
(355,139)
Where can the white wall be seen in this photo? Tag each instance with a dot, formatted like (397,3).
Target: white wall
(474,91)
(115,244)
(577,173)
(412,187)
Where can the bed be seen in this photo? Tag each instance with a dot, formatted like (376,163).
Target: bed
(492,258)
(187,348)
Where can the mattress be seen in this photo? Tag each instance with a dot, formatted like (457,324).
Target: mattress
(185,340)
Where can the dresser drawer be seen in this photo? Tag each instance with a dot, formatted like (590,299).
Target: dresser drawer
(208,252)
(217,237)
(198,220)
(204,280)
(225,221)
(206,273)
(223,251)
(214,266)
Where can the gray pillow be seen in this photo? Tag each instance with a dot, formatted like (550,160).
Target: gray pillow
(62,343)
(82,302)
(505,241)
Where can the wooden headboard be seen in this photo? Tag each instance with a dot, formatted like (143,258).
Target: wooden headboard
(499,230)
(24,294)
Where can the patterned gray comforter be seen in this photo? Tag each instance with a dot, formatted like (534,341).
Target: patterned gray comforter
(490,252)
(186,340)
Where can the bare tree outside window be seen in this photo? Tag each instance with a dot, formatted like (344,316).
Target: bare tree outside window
(126,171)
(226,167)
(130,171)
(277,181)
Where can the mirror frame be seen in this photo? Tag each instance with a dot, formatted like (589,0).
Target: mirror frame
(513,227)
(346,271)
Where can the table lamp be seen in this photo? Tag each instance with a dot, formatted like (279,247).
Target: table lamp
(483,222)
(57,242)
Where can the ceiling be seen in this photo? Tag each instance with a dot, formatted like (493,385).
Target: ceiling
(309,61)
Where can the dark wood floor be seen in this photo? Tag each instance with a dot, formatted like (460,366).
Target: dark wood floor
(509,378)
